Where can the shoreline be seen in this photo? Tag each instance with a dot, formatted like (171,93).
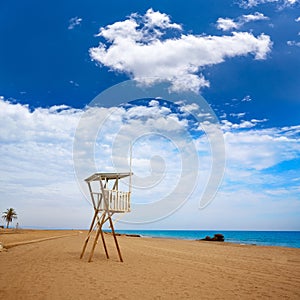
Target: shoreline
(264,243)
(43,234)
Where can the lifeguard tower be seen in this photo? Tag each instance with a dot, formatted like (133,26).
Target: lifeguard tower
(107,200)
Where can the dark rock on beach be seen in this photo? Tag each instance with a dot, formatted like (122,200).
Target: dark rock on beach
(123,234)
(133,235)
(218,237)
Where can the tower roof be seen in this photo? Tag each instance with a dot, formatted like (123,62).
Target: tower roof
(108,176)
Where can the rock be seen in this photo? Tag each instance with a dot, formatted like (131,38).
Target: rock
(218,237)
(133,235)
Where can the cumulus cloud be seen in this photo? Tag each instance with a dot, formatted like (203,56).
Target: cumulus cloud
(36,155)
(226,24)
(35,124)
(73,22)
(37,177)
(151,48)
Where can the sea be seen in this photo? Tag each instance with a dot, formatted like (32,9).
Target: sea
(263,238)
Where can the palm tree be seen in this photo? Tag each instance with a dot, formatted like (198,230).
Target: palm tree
(9,215)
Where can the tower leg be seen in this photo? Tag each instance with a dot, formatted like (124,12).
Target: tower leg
(94,245)
(104,245)
(115,238)
(102,235)
(89,233)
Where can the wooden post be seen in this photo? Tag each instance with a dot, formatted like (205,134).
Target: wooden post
(92,196)
(102,236)
(116,185)
(88,236)
(115,238)
(94,245)
(104,245)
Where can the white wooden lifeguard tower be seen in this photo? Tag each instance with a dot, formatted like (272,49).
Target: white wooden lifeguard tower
(107,200)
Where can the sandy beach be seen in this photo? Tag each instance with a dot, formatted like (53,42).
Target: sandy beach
(152,269)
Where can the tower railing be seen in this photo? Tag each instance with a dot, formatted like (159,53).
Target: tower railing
(117,201)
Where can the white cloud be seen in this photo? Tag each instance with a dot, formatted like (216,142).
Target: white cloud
(291,130)
(146,48)
(293,43)
(298,19)
(156,19)
(261,148)
(226,24)
(73,22)
(188,108)
(227,125)
(238,115)
(247,98)
(253,17)
(37,177)
(252,3)
(36,155)
(61,119)
(280,3)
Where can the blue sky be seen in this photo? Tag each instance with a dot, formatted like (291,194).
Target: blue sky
(241,56)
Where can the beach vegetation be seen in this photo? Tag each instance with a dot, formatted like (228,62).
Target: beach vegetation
(9,215)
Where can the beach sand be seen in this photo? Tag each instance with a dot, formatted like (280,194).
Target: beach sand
(152,269)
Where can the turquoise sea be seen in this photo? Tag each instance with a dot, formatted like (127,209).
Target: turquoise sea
(265,238)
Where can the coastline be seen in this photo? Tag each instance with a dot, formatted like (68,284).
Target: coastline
(289,239)
(197,235)
(153,268)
